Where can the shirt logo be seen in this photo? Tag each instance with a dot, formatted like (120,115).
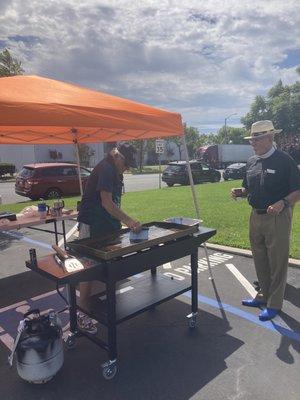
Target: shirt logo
(271,171)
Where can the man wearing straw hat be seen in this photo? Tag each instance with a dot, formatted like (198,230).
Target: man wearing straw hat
(272,187)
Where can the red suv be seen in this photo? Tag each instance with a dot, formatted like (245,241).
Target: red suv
(49,180)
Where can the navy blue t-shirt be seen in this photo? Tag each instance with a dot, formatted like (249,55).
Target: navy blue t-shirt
(103,177)
(269,180)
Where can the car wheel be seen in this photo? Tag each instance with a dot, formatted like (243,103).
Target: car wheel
(53,193)
(215,178)
(170,184)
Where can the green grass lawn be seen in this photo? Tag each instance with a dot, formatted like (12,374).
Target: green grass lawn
(217,209)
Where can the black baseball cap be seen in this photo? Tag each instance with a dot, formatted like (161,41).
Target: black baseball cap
(128,152)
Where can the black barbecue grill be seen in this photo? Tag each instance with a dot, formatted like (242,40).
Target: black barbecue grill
(114,258)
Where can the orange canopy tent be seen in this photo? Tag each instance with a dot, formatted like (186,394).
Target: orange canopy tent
(36,110)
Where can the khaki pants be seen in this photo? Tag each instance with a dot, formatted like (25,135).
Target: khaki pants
(269,237)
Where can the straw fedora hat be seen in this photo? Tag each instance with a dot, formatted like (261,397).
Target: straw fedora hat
(262,128)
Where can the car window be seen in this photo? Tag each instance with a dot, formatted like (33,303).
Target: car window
(236,166)
(53,171)
(85,173)
(196,167)
(26,172)
(174,168)
(205,167)
(69,171)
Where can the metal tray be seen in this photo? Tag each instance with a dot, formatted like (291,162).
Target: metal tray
(118,244)
(184,221)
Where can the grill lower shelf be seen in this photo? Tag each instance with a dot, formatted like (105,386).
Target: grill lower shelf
(136,296)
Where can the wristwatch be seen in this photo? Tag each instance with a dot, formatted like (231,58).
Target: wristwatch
(286,202)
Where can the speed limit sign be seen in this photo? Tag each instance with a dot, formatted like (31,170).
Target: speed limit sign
(159,146)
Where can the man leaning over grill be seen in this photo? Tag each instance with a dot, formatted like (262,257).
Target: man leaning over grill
(272,187)
(100,211)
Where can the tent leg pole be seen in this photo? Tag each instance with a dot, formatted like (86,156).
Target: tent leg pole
(78,167)
(196,204)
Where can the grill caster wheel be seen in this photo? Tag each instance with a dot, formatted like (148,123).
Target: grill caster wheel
(192,322)
(109,371)
(70,342)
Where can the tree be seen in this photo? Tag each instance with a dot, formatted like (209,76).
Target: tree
(295,107)
(169,151)
(193,140)
(232,135)
(259,110)
(276,90)
(9,66)
(281,105)
(206,139)
(177,141)
(150,150)
(140,147)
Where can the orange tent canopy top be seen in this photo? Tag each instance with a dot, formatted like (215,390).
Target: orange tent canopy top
(37,110)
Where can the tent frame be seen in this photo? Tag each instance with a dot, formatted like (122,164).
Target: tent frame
(195,200)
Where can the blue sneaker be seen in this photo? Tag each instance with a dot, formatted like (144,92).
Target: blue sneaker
(253,303)
(268,313)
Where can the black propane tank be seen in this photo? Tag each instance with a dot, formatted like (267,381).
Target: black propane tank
(39,349)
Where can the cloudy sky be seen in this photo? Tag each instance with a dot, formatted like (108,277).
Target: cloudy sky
(205,59)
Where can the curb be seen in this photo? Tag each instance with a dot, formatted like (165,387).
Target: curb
(245,253)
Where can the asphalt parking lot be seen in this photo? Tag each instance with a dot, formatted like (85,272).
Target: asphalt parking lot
(229,355)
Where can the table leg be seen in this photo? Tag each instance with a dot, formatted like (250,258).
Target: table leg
(55,231)
(64,232)
(194,270)
(111,319)
(72,307)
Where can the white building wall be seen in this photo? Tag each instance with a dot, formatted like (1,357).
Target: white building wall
(17,154)
(174,148)
(42,152)
(68,153)
(20,155)
(99,153)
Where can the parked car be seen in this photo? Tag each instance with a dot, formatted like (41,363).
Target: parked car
(49,180)
(176,172)
(234,171)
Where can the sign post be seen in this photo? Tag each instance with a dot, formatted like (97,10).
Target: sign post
(159,149)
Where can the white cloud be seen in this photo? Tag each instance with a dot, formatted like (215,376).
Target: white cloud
(205,60)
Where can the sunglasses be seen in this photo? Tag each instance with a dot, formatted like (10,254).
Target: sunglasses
(257,139)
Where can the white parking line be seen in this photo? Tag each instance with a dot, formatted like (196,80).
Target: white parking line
(250,289)
(240,277)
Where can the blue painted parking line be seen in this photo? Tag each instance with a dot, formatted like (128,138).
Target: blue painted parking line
(20,236)
(272,326)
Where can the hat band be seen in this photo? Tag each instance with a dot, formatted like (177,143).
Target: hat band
(262,132)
